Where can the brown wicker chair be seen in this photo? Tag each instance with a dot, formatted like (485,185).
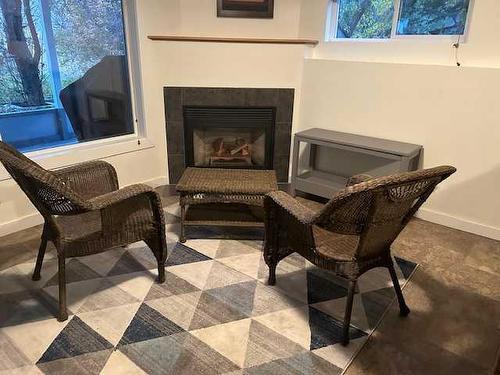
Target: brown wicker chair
(353,232)
(85,213)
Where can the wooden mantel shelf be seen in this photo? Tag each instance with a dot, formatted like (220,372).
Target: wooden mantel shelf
(209,39)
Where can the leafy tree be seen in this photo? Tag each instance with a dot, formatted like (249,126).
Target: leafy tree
(27,60)
(423,17)
(365,18)
(373,18)
(86,31)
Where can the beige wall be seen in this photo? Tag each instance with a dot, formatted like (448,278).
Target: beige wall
(453,112)
(213,64)
(481,47)
(411,91)
(186,64)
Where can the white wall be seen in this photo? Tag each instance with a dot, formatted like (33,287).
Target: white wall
(412,91)
(481,47)
(216,64)
(186,64)
(392,89)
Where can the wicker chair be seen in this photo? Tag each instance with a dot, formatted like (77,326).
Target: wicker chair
(85,213)
(353,232)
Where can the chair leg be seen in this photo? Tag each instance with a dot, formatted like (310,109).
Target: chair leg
(403,308)
(273,251)
(63,313)
(272,274)
(158,245)
(348,311)
(161,272)
(39,259)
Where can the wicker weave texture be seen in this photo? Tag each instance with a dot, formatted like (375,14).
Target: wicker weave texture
(227,181)
(354,231)
(86,213)
(201,186)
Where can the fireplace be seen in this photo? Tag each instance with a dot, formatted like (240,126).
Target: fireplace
(229,137)
(228,127)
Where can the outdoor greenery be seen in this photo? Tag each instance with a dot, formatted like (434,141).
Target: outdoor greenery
(23,76)
(82,33)
(372,19)
(433,17)
(85,31)
(365,18)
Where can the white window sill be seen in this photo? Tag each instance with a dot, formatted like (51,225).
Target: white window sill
(424,39)
(65,156)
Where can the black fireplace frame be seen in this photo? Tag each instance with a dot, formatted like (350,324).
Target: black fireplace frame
(177,97)
(225,120)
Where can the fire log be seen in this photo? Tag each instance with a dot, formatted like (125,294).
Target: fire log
(244,149)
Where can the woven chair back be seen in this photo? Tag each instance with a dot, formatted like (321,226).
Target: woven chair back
(49,194)
(379,209)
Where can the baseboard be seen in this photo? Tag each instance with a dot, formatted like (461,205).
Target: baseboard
(459,223)
(35,218)
(156,182)
(424,213)
(21,223)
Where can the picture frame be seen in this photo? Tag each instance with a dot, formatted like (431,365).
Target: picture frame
(245,8)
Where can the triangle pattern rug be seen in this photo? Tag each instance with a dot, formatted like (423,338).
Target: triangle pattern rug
(214,315)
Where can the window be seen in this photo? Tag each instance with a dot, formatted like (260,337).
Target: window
(385,19)
(64,72)
(365,19)
(432,17)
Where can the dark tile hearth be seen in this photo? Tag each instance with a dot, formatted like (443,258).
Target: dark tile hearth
(176,98)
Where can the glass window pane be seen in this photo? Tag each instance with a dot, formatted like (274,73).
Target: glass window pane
(432,17)
(368,19)
(63,72)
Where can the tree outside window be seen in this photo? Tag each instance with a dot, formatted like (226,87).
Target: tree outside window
(433,17)
(374,19)
(65,61)
(22,73)
(365,19)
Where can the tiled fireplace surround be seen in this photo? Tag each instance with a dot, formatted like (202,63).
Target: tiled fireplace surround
(176,98)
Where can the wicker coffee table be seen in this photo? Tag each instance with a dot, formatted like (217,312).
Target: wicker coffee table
(223,197)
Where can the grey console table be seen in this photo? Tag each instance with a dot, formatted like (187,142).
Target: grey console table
(323,159)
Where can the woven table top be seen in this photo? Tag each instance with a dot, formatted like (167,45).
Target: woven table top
(227,181)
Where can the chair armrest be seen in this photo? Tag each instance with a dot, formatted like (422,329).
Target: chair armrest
(357,179)
(117,206)
(300,212)
(90,179)
(118,196)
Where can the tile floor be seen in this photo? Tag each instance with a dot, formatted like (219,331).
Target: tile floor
(454,327)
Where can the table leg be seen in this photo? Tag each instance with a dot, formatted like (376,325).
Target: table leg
(182,237)
(295,166)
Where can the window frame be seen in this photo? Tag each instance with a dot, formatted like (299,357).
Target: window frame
(134,65)
(332,21)
(67,155)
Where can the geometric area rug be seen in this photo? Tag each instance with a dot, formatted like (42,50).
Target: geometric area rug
(214,315)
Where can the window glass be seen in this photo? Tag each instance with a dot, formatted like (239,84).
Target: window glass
(432,17)
(63,72)
(365,19)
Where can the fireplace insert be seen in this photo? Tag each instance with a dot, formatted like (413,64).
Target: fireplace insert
(229,137)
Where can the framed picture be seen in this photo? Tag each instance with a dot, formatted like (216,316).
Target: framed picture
(245,8)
